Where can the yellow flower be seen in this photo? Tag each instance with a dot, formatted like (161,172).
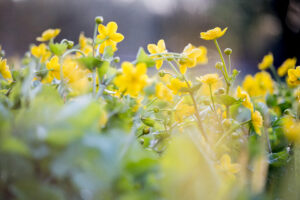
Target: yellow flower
(53,67)
(191,57)
(266,62)
(4,70)
(293,78)
(289,63)
(245,97)
(133,79)
(85,44)
(40,52)
(75,77)
(213,34)
(204,89)
(209,79)
(259,85)
(155,49)
(182,111)
(291,129)
(257,121)
(109,36)
(48,35)
(228,168)
(162,92)
(175,85)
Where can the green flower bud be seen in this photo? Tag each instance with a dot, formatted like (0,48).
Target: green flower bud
(99,20)
(220,91)
(219,65)
(162,73)
(2,53)
(146,130)
(148,121)
(117,59)
(287,112)
(228,51)
(156,109)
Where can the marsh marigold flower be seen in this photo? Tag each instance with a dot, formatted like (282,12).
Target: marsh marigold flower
(213,34)
(53,67)
(245,97)
(266,62)
(48,35)
(176,85)
(257,121)
(182,111)
(192,56)
(157,49)
(4,70)
(259,85)
(209,79)
(293,78)
(289,63)
(40,52)
(229,169)
(163,93)
(133,79)
(109,36)
(85,44)
(291,129)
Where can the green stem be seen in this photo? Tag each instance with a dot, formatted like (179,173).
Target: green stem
(212,98)
(193,99)
(230,131)
(226,76)
(272,68)
(229,64)
(94,70)
(71,51)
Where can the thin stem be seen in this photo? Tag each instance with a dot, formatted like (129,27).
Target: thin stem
(193,99)
(229,64)
(268,140)
(166,53)
(224,66)
(230,131)
(94,70)
(71,51)
(273,70)
(212,98)
(174,68)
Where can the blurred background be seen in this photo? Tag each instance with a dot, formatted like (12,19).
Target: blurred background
(255,27)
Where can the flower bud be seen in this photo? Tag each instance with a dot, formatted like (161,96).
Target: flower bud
(117,59)
(156,109)
(162,73)
(235,72)
(146,131)
(228,51)
(2,53)
(148,121)
(99,20)
(287,112)
(219,65)
(220,91)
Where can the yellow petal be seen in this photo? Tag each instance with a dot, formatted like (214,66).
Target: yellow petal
(152,48)
(112,27)
(117,37)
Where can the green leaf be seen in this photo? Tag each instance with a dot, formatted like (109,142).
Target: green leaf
(278,159)
(102,69)
(226,100)
(90,62)
(142,57)
(14,145)
(271,100)
(108,53)
(57,48)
